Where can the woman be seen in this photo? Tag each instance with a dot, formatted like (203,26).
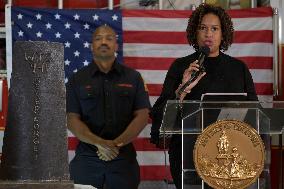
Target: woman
(207,26)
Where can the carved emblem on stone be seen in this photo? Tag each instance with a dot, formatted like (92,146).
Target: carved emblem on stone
(229,154)
(38,61)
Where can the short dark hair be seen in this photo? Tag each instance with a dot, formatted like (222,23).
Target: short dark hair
(105,26)
(196,18)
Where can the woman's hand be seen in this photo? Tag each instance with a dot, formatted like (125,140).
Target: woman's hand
(187,73)
(193,67)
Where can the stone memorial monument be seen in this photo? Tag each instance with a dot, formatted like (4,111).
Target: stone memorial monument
(35,151)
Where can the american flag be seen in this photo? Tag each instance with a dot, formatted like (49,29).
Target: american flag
(72,28)
(149,42)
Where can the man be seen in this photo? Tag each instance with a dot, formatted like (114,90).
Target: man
(107,107)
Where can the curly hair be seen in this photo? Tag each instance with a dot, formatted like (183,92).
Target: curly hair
(196,18)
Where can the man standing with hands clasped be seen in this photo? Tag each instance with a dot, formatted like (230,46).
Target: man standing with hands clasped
(107,107)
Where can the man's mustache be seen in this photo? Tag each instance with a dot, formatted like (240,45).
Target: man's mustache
(104,46)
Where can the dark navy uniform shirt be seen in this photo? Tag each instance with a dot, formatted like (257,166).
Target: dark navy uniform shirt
(106,101)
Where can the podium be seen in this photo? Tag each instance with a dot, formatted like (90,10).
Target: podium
(190,118)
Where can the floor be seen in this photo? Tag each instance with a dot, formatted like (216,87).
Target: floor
(162,185)
(146,185)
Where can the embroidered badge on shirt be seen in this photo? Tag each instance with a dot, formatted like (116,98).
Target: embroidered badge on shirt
(145,85)
(89,90)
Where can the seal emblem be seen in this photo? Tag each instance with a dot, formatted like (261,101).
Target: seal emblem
(229,154)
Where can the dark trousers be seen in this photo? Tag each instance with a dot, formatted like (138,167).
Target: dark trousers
(175,158)
(119,173)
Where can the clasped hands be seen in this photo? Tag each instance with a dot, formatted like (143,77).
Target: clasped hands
(193,67)
(108,149)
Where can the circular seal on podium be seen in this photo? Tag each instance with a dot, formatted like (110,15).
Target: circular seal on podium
(229,154)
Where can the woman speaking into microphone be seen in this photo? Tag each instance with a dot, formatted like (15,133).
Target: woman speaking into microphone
(212,27)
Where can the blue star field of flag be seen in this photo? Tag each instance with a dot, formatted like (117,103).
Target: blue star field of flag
(73,28)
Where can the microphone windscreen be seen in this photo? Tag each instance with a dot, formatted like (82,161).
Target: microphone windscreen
(205,50)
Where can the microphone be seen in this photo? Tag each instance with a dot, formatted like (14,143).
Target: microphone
(204,52)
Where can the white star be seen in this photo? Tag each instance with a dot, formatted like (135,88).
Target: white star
(86,63)
(48,25)
(58,35)
(96,17)
(75,70)
(29,25)
(77,35)
(67,62)
(114,17)
(20,16)
(67,25)
(67,44)
(20,33)
(86,26)
(39,34)
(76,53)
(66,80)
(76,17)
(86,44)
(57,16)
(38,16)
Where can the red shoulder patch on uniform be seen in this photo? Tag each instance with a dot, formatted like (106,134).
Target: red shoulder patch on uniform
(125,85)
(88,86)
